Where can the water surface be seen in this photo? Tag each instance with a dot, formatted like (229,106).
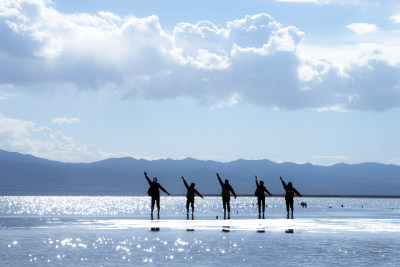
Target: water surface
(116,231)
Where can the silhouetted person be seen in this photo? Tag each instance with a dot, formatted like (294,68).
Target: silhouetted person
(290,191)
(154,192)
(191,192)
(226,196)
(261,197)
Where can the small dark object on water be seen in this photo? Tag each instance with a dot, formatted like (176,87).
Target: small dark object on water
(190,230)
(261,230)
(155,229)
(216,217)
(289,231)
(342,206)
(303,204)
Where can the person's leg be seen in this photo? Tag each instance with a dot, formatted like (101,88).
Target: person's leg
(192,206)
(228,203)
(153,201)
(224,205)
(187,206)
(263,204)
(287,207)
(291,206)
(158,207)
(259,205)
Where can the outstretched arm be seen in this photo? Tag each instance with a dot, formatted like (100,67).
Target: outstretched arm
(197,192)
(233,191)
(186,185)
(220,181)
(256,181)
(147,178)
(266,190)
(162,188)
(297,192)
(283,182)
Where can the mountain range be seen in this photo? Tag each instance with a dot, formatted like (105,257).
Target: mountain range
(22,174)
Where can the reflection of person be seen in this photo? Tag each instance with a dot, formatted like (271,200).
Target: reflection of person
(261,197)
(226,196)
(191,192)
(154,192)
(290,191)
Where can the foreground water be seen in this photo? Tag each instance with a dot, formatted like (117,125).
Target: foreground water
(116,231)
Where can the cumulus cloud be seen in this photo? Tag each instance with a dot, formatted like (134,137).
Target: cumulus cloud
(30,138)
(65,120)
(395,18)
(254,60)
(362,28)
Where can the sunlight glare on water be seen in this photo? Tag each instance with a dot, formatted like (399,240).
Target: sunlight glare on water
(116,231)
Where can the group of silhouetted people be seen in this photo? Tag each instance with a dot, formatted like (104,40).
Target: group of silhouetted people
(154,193)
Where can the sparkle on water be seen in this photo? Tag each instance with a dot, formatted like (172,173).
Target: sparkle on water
(116,231)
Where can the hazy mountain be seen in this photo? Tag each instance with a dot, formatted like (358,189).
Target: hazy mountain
(26,174)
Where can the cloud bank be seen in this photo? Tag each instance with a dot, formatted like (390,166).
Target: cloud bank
(254,60)
(30,138)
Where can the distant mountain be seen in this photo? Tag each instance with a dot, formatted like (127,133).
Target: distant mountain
(29,175)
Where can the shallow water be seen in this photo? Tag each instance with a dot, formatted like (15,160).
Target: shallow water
(116,231)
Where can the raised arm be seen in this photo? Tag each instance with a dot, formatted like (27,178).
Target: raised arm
(220,181)
(162,188)
(297,192)
(256,181)
(186,185)
(283,182)
(198,193)
(147,178)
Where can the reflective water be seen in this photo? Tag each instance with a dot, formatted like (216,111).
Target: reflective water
(116,231)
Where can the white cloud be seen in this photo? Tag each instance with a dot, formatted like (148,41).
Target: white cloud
(362,28)
(254,60)
(30,138)
(395,18)
(395,161)
(65,120)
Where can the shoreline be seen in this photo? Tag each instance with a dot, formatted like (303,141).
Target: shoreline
(125,194)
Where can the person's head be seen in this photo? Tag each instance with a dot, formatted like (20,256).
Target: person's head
(261,182)
(192,185)
(155,180)
(226,181)
(290,185)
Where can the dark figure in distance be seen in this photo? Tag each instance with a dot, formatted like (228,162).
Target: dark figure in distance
(191,192)
(290,191)
(261,197)
(226,196)
(154,192)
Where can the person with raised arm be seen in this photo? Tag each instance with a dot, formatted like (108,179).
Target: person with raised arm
(154,192)
(290,191)
(261,197)
(226,196)
(191,192)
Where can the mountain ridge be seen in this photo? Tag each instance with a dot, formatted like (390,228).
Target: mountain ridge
(27,174)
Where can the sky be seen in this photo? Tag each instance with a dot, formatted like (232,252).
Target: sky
(299,81)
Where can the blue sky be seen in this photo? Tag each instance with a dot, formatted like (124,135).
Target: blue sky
(299,81)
